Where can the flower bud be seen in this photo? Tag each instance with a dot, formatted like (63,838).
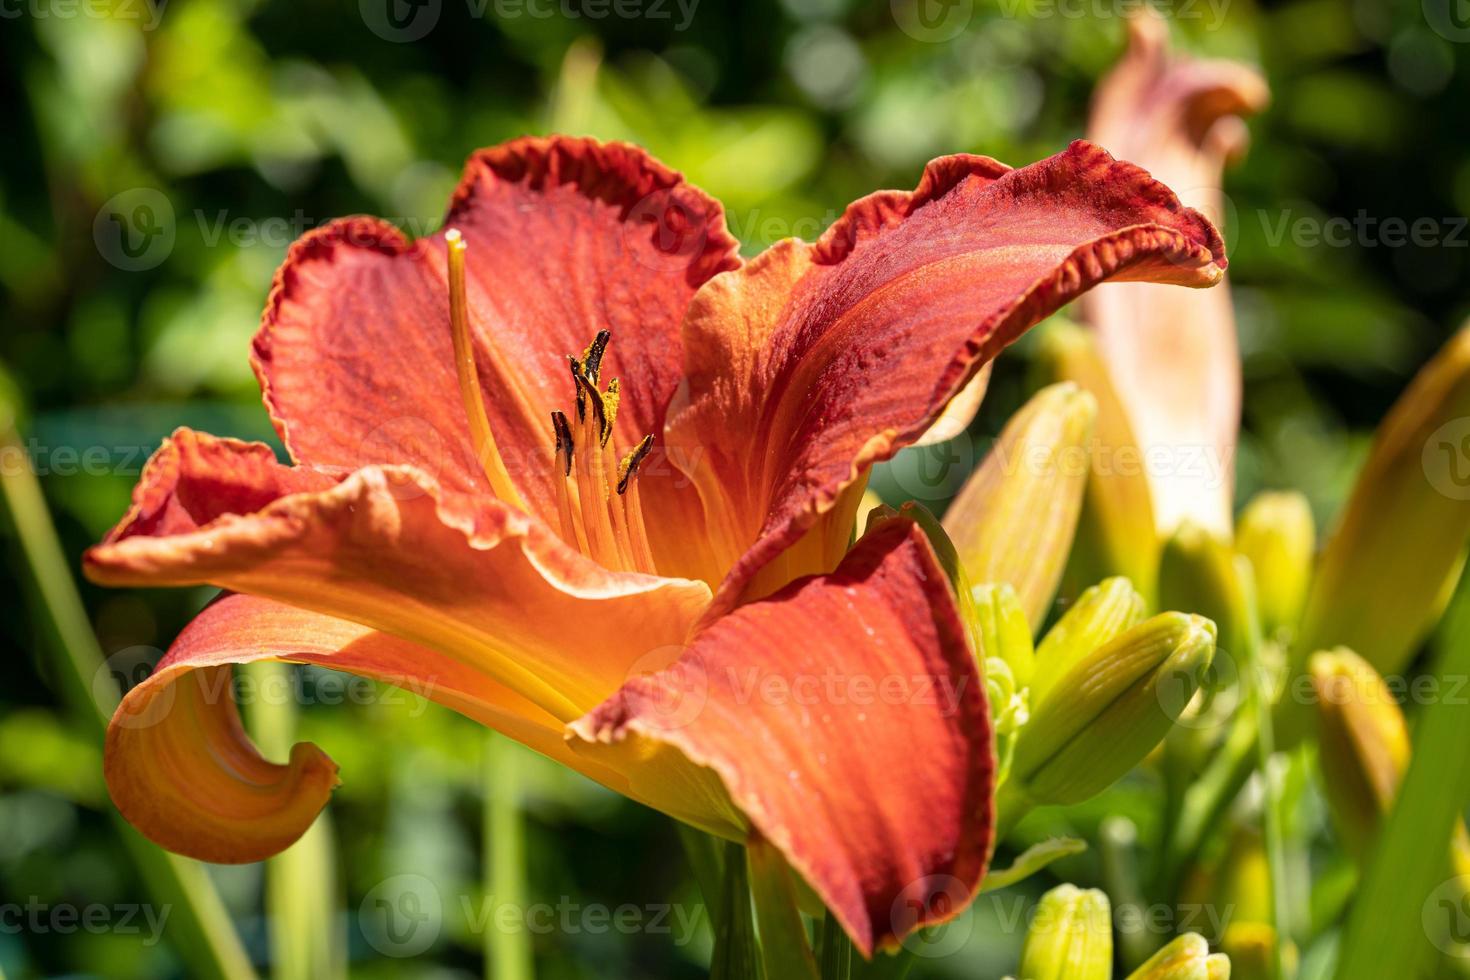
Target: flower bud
(1071,937)
(1186,958)
(1364,744)
(1251,947)
(1111,709)
(1004,633)
(1199,571)
(1098,615)
(1014,519)
(1116,533)
(1277,534)
(1380,585)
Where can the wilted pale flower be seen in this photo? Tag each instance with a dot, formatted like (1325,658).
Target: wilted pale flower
(1173,358)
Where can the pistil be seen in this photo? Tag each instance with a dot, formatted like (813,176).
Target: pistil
(481,436)
(597,502)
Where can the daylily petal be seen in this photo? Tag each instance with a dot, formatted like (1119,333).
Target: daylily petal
(814,361)
(847,720)
(387,547)
(1173,355)
(182,770)
(566,237)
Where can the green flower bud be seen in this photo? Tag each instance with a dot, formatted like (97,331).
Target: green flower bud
(1186,958)
(1014,519)
(1277,534)
(1003,631)
(1116,534)
(1111,709)
(1251,947)
(1199,571)
(1071,937)
(1364,744)
(1098,615)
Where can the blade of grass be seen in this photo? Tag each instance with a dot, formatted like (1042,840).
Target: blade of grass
(1385,935)
(783,939)
(201,930)
(507,952)
(736,954)
(307,939)
(836,951)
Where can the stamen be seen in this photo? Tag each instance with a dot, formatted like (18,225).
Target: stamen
(608,527)
(577,379)
(564,442)
(592,496)
(630,462)
(588,391)
(610,401)
(632,503)
(481,436)
(592,356)
(571,524)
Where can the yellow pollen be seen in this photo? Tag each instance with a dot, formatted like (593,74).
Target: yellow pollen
(481,437)
(597,497)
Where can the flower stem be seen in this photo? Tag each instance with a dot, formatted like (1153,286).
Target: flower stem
(507,953)
(306,938)
(202,932)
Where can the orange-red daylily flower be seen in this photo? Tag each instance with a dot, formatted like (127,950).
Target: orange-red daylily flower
(475,510)
(1173,356)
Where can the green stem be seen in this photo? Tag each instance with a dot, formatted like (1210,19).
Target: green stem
(1011,805)
(1208,799)
(1118,844)
(202,932)
(306,938)
(507,953)
(1257,693)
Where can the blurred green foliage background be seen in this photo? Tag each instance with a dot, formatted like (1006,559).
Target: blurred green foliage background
(221,129)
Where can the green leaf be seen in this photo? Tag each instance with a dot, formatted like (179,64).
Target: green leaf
(200,928)
(836,951)
(783,941)
(1032,860)
(719,868)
